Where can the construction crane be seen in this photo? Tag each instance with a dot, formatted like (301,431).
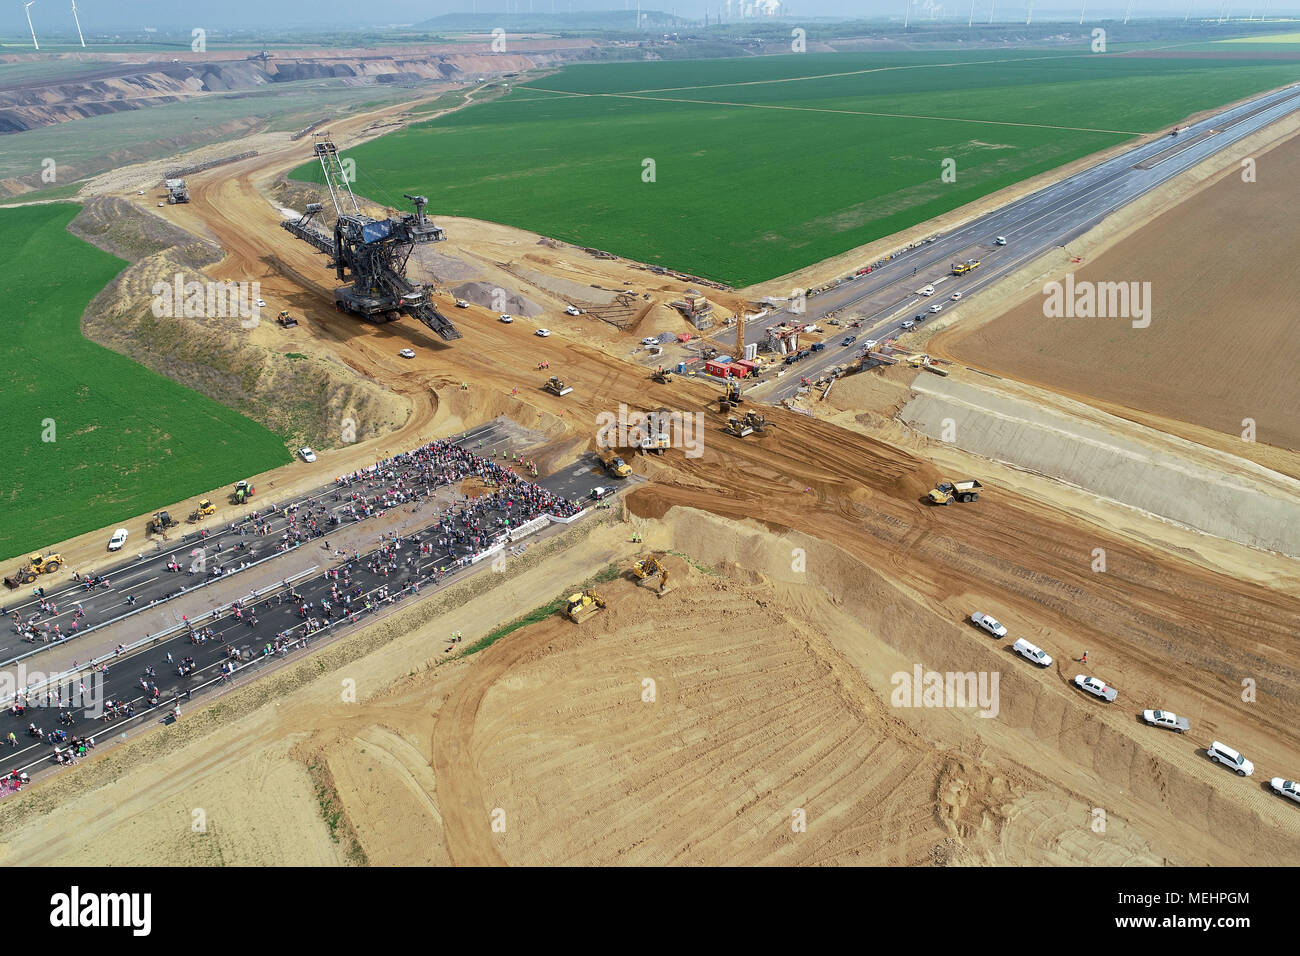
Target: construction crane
(373,253)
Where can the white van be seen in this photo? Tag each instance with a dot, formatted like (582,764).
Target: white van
(1029,651)
(1230,758)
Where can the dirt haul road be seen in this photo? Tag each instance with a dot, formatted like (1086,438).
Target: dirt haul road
(1167,631)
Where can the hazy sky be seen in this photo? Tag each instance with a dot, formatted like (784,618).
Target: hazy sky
(54,16)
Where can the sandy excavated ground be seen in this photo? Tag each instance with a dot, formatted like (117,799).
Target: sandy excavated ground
(806,572)
(693,727)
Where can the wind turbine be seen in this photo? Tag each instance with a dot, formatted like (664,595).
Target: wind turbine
(28,7)
(1031,13)
(972,15)
(78,19)
(992,10)
(1082,11)
(1128,9)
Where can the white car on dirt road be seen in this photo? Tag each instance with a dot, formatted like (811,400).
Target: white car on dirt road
(1286,788)
(1032,653)
(572,310)
(542,332)
(407,353)
(119,538)
(507,319)
(307,454)
(1225,755)
(1163,718)
(1096,687)
(989,624)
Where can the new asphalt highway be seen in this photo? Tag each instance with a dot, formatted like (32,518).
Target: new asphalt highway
(171,570)
(1043,220)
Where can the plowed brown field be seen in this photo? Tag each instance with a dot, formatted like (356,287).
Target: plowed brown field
(1223,342)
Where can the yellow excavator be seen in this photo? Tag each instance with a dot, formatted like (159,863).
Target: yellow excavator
(584,604)
(732,398)
(648,568)
(205,510)
(36,565)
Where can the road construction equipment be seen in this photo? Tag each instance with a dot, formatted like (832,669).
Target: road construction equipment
(205,510)
(755,421)
(662,375)
(584,604)
(286,319)
(657,437)
(738,427)
(648,568)
(961,268)
(556,386)
(159,523)
(962,491)
(36,565)
(731,398)
(616,466)
(176,191)
(243,491)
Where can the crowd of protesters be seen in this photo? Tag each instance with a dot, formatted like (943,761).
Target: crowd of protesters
(466,526)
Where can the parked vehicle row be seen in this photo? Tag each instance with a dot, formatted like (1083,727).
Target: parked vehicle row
(1217,751)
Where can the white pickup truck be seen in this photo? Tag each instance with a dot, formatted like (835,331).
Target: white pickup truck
(1096,687)
(1162,718)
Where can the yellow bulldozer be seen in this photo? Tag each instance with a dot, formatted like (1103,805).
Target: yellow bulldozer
(738,427)
(584,604)
(556,386)
(204,510)
(36,565)
(647,568)
(756,422)
(662,375)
